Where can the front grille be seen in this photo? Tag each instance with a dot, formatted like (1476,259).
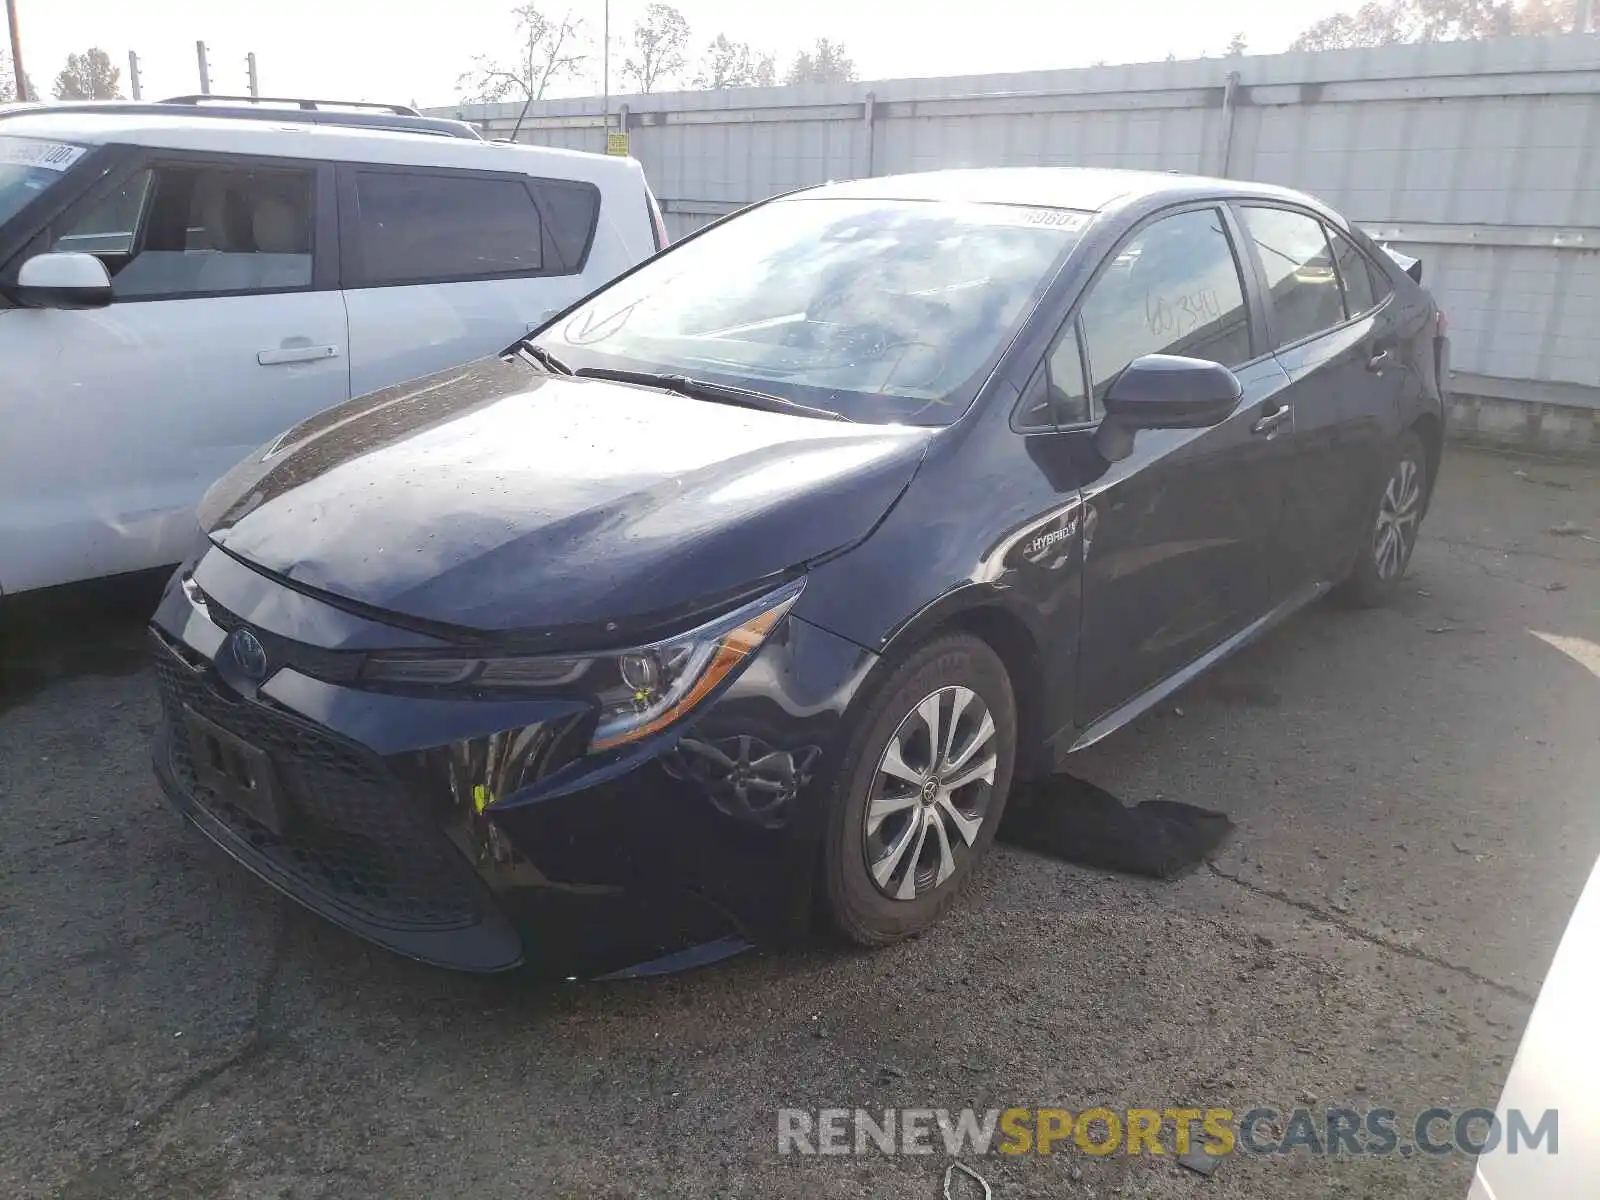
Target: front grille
(332,666)
(347,834)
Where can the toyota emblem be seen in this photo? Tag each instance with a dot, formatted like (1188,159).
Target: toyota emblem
(249,655)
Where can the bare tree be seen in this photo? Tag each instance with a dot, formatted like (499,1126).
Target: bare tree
(827,62)
(1386,22)
(547,51)
(730,64)
(1236,46)
(88,76)
(658,45)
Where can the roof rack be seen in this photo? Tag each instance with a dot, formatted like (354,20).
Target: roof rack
(352,114)
(399,110)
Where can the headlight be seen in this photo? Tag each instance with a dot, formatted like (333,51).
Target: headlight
(638,691)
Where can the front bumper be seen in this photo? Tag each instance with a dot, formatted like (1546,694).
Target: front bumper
(477,834)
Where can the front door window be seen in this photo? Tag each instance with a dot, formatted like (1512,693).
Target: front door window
(214,230)
(1173,289)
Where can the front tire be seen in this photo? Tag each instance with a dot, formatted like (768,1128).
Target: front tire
(921,791)
(1395,520)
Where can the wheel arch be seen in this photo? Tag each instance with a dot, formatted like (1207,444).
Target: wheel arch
(1430,429)
(984,615)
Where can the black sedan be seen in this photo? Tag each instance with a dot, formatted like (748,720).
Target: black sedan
(748,586)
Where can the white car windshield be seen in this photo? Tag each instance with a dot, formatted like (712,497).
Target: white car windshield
(884,311)
(28,166)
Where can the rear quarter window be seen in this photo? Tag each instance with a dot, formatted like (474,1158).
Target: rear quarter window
(1382,286)
(435,228)
(571,211)
(1356,274)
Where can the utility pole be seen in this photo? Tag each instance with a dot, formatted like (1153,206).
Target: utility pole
(605,64)
(205,68)
(250,69)
(16,51)
(1582,15)
(133,76)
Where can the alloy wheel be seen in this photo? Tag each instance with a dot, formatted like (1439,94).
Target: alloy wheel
(930,793)
(1399,512)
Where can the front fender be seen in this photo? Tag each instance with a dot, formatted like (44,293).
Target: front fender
(1021,592)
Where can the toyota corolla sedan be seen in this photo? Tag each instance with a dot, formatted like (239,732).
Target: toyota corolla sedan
(746,588)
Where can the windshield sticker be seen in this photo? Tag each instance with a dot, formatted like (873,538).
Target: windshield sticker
(51,156)
(1046,218)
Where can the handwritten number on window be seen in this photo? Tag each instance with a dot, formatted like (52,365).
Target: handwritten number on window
(1174,316)
(1158,316)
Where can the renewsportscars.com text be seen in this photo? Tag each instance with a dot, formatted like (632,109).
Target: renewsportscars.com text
(1262,1131)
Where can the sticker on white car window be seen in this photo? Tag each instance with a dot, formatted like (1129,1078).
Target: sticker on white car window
(25,152)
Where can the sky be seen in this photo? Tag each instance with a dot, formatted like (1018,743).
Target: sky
(407,50)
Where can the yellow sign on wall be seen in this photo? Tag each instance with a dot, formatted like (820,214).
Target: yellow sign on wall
(617,143)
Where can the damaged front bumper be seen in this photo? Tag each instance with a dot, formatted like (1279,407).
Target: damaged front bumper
(480,834)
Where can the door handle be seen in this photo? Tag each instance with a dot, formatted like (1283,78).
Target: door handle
(1378,362)
(543,317)
(295,354)
(1271,421)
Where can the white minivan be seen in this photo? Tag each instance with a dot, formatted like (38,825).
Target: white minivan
(179,282)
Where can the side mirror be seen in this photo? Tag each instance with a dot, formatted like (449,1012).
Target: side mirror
(61,281)
(1164,391)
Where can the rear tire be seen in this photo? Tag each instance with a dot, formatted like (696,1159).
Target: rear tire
(1393,523)
(920,792)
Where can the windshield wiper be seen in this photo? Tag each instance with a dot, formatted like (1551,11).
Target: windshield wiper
(705,389)
(540,357)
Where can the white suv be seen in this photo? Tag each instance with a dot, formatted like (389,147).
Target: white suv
(179,283)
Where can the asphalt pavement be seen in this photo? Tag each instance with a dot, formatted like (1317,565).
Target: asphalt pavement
(1414,789)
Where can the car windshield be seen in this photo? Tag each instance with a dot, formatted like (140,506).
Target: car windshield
(28,166)
(884,311)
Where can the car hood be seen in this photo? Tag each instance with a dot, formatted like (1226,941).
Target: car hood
(492,498)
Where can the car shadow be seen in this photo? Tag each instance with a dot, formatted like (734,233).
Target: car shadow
(59,633)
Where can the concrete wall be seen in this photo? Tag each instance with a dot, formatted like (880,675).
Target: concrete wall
(1478,157)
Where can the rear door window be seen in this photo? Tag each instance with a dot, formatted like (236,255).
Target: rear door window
(415,227)
(1305,294)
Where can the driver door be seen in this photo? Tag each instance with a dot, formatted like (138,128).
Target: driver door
(1178,536)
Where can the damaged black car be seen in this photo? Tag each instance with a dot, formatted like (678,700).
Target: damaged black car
(745,589)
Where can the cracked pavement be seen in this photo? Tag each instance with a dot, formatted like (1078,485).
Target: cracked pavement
(1414,793)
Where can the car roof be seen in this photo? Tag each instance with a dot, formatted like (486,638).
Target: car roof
(359,113)
(1086,189)
(292,139)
